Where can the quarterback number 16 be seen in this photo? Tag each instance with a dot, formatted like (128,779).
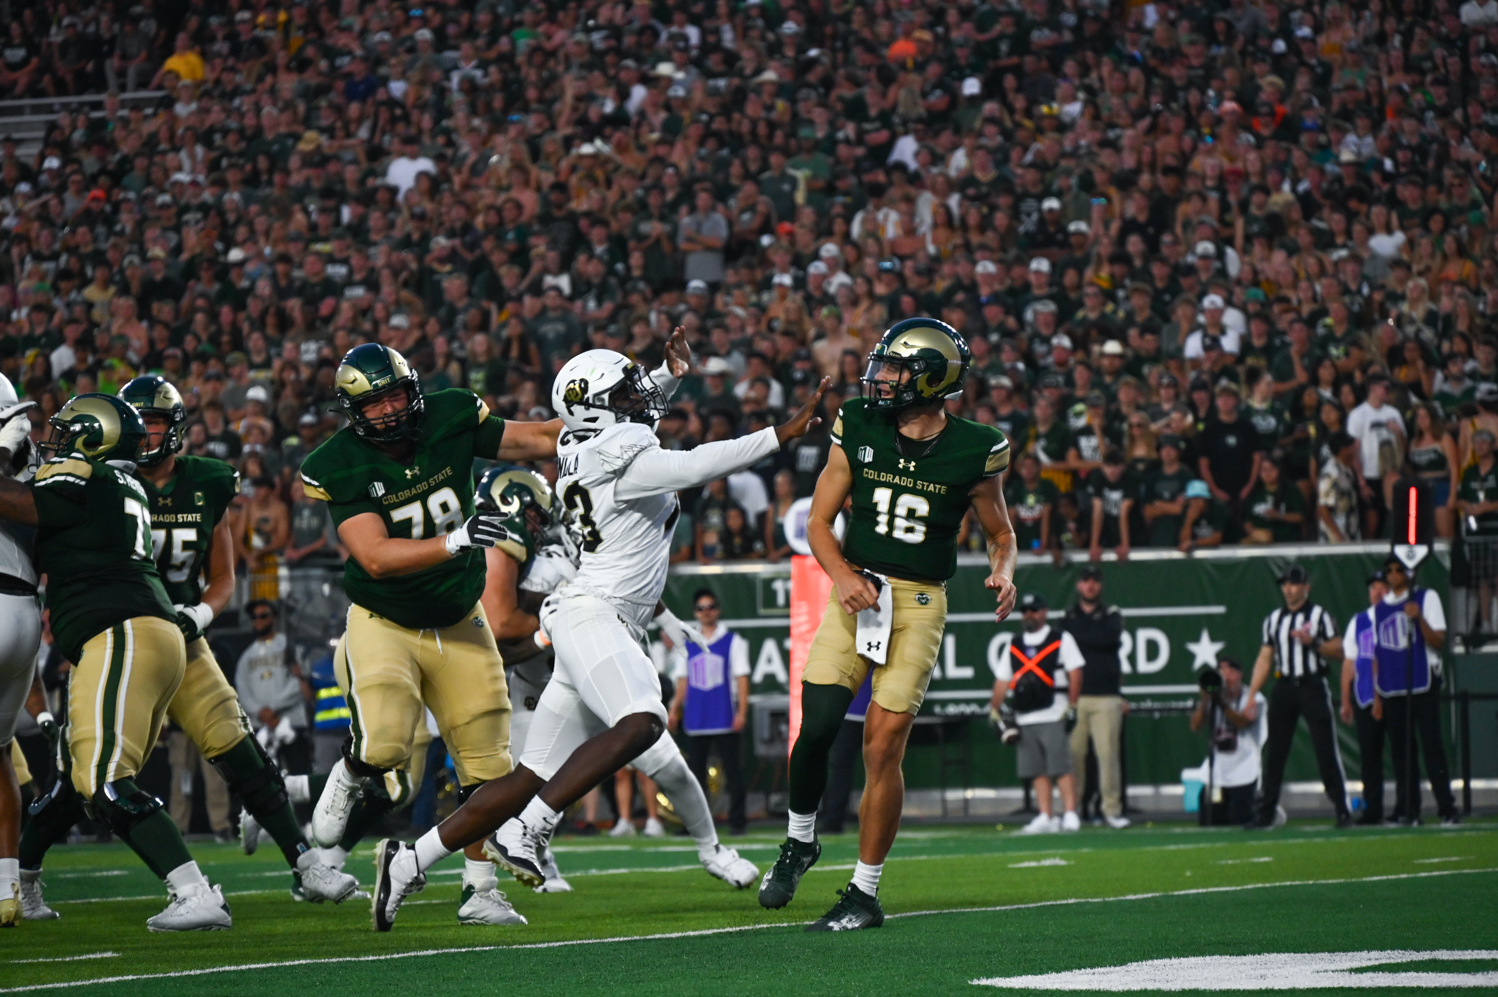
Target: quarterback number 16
(909,510)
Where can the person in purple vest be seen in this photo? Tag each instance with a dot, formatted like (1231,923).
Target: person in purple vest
(712,701)
(1361,707)
(1409,634)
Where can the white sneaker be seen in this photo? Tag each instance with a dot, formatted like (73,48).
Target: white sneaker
(1042,824)
(318,882)
(1070,821)
(197,908)
(1117,823)
(396,878)
(249,832)
(330,817)
(554,882)
(33,907)
(623,828)
(727,865)
(654,828)
(484,904)
(513,849)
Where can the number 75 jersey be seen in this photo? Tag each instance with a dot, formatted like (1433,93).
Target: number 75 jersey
(184,513)
(626,544)
(907,510)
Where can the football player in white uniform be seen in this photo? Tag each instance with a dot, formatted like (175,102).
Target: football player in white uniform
(602,708)
(20,634)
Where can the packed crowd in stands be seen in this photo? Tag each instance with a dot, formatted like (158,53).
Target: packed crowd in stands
(1227,271)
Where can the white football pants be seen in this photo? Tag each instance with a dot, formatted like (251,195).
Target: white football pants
(20,635)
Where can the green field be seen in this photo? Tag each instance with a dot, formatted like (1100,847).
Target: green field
(966,902)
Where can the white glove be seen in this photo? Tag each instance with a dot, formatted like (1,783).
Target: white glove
(17,428)
(200,613)
(679,632)
(544,616)
(483,529)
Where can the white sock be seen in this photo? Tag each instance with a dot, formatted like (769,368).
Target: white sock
(429,850)
(10,877)
(475,871)
(185,875)
(802,827)
(297,790)
(538,816)
(866,877)
(333,857)
(681,787)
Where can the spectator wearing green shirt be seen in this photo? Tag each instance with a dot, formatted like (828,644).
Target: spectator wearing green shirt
(1206,518)
(1163,495)
(1031,500)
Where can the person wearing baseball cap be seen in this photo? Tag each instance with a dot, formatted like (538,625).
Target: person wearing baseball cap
(1098,630)
(1036,677)
(1237,737)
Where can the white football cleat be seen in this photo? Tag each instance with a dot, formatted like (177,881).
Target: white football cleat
(1042,824)
(396,878)
(249,832)
(330,816)
(513,849)
(654,828)
(1070,821)
(727,865)
(196,908)
(554,881)
(484,904)
(33,907)
(318,882)
(623,828)
(1117,823)
(297,788)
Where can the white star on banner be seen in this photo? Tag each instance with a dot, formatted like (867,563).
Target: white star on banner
(1205,649)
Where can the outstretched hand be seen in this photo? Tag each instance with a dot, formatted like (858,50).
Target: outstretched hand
(804,417)
(678,354)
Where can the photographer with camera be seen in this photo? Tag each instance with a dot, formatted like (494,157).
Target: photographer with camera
(1034,704)
(1237,718)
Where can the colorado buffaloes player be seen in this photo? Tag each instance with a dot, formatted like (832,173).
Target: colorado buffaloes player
(912,470)
(398,481)
(190,537)
(602,707)
(111,617)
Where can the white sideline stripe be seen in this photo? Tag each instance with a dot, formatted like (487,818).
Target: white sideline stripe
(669,935)
(72,958)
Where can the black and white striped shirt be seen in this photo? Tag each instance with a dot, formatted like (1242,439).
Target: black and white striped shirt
(1292,659)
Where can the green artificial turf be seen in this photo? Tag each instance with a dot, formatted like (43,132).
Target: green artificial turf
(1119,897)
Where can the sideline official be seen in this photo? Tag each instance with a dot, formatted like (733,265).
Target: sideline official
(1098,631)
(1295,637)
(1361,708)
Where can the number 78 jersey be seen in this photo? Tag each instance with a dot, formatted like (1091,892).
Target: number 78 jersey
(907,510)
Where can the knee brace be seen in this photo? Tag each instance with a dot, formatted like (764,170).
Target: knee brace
(250,772)
(52,816)
(657,756)
(123,805)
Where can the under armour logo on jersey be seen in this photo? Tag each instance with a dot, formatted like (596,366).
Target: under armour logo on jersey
(377,489)
(412,472)
(865,454)
(478,621)
(907,465)
(873,645)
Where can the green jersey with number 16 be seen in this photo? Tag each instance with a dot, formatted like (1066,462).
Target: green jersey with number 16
(93,543)
(184,513)
(908,506)
(430,496)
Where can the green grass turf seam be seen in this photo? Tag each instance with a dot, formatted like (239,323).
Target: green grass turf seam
(670,935)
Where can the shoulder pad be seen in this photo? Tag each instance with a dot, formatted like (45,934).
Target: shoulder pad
(618,445)
(72,469)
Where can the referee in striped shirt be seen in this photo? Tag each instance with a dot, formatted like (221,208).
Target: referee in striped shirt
(1298,639)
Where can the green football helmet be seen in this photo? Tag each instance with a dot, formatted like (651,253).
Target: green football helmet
(151,394)
(368,372)
(525,499)
(933,353)
(98,426)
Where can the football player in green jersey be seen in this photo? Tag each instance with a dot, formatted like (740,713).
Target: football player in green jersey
(912,471)
(398,481)
(111,617)
(187,497)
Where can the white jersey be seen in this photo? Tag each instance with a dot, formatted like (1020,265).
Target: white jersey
(626,546)
(552,567)
(15,539)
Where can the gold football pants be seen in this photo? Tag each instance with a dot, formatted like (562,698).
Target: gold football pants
(205,706)
(919,616)
(390,673)
(118,696)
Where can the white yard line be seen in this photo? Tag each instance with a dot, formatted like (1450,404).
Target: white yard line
(73,958)
(669,935)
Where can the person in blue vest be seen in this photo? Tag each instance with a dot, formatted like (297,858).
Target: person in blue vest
(1408,637)
(330,715)
(833,813)
(712,701)
(1360,705)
